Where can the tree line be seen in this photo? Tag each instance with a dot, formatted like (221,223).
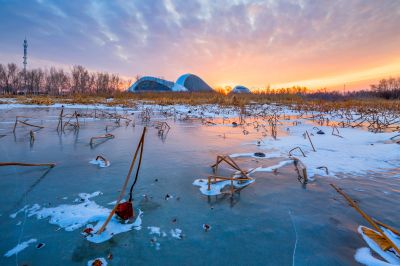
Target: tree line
(79,80)
(14,80)
(388,88)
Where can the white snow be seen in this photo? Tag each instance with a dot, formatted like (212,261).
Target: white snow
(364,255)
(176,233)
(72,217)
(114,227)
(273,167)
(101,163)
(358,152)
(154,230)
(215,189)
(18,248)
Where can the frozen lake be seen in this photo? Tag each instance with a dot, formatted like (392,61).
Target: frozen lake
(274,221)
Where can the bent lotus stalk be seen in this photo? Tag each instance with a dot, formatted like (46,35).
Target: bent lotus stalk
(216,178)
(118,206)
(51,165)
(106,136)
(367,217)
(18,121)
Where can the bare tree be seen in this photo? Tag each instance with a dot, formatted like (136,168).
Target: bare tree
(12,78)
(387,88)
(102,80)
(80,80)
(2,77)
(56,82)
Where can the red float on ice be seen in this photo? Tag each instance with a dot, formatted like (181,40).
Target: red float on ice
(125,210)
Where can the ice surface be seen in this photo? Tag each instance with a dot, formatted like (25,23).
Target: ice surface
(347,158)
(267,155)
(18,248)
(13,215)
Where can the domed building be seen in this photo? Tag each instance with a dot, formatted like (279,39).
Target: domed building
(193,83)
(187,82)
(148,84)
(240,89)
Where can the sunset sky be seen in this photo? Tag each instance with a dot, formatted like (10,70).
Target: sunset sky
(253,43)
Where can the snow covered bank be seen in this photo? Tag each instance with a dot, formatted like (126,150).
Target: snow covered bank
(356,152)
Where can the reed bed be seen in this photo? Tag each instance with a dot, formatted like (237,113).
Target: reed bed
(198,98)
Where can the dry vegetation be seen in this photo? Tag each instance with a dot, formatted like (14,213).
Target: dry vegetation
(169,98)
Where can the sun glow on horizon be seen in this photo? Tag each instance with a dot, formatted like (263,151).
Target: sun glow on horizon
(359,79)
(355,80)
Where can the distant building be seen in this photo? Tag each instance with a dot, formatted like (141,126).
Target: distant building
(193,83)
(151,84)
(187,82)
(240,89)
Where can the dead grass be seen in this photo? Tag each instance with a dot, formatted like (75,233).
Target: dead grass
(169,98)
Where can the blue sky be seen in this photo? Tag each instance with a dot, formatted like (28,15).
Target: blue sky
(254,43)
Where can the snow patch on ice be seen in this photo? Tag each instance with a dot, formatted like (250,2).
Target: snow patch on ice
(364,256)
(86,196)
(176,233)
(215,189)
(72,217)
(114,227)
(154,230)
(358,152)
(100,162)
(18,248)
(273,167)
